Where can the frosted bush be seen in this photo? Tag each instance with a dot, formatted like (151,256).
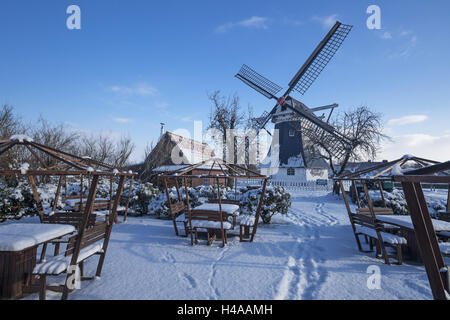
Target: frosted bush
(276,200)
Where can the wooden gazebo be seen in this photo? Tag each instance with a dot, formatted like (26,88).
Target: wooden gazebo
(430,249)
(212,216)
(64,165)
(91,237)
(364,220)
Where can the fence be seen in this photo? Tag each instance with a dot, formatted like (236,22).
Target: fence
(319,185)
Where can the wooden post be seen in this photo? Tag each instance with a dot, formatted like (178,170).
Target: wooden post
(220,212)
(172,215)
(112,218)
(356,193)
(374,218)
(36,197)
(58,189)
(426,238)
(128,199)
(380,185)
(188,209)
(349,212)
(87,212)
(258,211)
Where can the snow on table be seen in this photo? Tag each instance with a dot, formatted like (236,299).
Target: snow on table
(19,236)
(406,222)
(226,207)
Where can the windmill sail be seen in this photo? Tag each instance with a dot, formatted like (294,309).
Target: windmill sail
(258,82)
(319,59)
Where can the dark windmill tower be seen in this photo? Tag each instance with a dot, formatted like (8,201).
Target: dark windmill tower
(296,123)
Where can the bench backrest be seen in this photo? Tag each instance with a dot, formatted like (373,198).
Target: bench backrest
(176,208)
(208,215)
(366,221)
(91,235)
(73,218)
(97,205)
(377,211)
(227,201)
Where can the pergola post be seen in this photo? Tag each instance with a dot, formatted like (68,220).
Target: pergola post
(426,239)
(87,212)
(258,211)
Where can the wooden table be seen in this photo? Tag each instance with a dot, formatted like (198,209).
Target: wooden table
(18,249)
(407,231)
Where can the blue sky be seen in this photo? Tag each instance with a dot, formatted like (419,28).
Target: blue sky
(136,63)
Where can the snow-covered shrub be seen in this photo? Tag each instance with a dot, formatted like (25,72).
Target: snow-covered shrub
(142,196)
(276,200)
(394,200)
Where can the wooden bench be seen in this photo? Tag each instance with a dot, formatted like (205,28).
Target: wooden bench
(373,229)
(92,243)
(209,220)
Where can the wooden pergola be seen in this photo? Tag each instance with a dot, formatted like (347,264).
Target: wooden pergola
(437,270)
(228,173)
(88,230)
(66,165)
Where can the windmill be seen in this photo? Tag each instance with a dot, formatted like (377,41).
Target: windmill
(298,124)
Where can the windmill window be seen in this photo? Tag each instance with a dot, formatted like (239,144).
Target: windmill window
(291,133)
(291,172)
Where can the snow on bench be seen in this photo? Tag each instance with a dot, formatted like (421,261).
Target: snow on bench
(247,220)
(59,264)
(210,224)
(445,247)
(387,237)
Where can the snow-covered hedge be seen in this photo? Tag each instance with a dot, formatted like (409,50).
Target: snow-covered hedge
(276,200)
(143,194)
(396,201)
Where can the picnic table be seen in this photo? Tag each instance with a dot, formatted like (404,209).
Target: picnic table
(18,250)
(407,231)
(228,210)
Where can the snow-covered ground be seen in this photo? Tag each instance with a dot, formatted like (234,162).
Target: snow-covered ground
(310,254)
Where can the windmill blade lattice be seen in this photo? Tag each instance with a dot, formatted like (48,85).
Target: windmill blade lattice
(258,82)
(320,58)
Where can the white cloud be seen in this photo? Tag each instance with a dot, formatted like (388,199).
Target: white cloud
(386,35)
(122,120)
(326,22)
(416,118)
(140,89)
(420,145)
(254,22)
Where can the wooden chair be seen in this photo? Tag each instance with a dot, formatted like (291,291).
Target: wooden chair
(73,218)
(94,241)
(373,229)
(246,225)
(211,221)
(177,212)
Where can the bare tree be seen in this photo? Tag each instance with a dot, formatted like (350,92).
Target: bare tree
(10,123)
(362,127)
(225,115)
(104,149)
